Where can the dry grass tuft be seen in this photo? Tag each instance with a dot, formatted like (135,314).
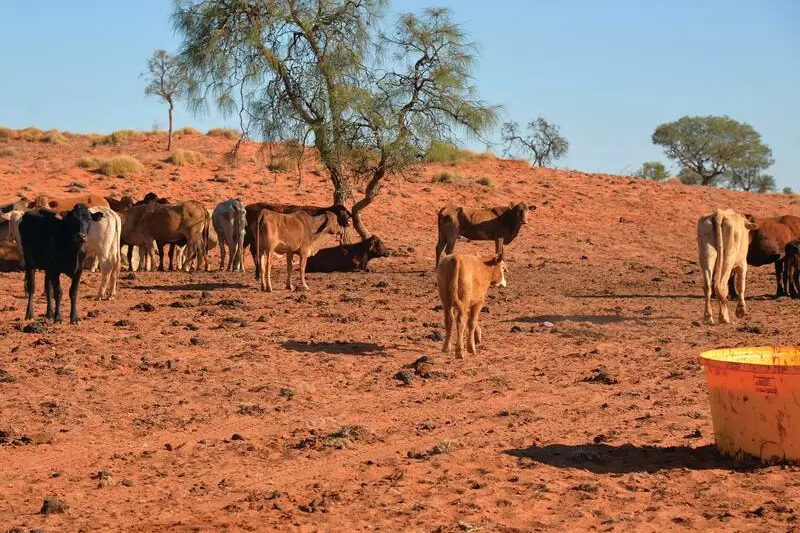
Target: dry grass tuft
(182,157)
(447,154)
(227,133)
(116,138)
(279,164)
(89,162)
(122,166)
(53,137)
(486,182)
(447,176)
(7,151)
(188,130)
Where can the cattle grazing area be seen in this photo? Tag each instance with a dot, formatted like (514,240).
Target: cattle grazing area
(194,401)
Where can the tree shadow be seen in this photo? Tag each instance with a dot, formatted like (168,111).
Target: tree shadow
(592,319)
(632,296)
(336,347)
(627,458)
(212,286)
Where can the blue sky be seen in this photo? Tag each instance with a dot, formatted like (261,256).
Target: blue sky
(608,72)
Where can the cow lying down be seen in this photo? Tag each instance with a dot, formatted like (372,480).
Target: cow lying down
(347,257)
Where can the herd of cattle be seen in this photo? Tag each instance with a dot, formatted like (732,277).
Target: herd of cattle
(66,235)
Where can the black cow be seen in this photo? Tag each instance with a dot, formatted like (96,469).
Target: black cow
(347,257)
(57,246)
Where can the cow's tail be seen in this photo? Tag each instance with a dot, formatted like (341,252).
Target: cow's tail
(206,232)
(257,242)
(717,274)
(238,232)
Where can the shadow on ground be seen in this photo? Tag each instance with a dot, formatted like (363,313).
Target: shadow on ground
(592,319)
(336,347)
(627,458)
(191,287)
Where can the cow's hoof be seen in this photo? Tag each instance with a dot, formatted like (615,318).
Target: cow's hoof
(58,320)
(709,321)
(740,312)
(74,320)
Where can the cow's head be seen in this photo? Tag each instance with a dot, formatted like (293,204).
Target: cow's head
(377,248)
(343,216)
(78,221)
(497,271)
(520,212)
(330,224)
(150,198)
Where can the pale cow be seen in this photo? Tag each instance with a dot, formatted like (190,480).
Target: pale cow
(722,240)
(463,282)
(13,230)
(295,233)
(103,245)
(230,222)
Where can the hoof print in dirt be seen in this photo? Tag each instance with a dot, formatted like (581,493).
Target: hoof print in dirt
(53,505)
(40,326)
(144,306)
(601,376)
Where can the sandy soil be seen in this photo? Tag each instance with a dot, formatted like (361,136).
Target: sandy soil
(228,409)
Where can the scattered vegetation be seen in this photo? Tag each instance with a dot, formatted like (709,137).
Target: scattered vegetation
(446,153)
(787,190)
(29,134)
(544,143)
(116,138)
(447,176)
(89,162)
(7,133)
(7,151)
(227,133)
(188,130)
(182,157)
(486,181)
(122,166)
(652,170)
(53,137)
(279,164)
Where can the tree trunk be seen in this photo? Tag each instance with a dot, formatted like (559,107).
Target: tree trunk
(373,188)
(169,134)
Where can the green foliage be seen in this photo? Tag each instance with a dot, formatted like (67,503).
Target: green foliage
(446,153)
(544,143)
(89,162)
(182,157)
(227,133)
(116,138)
(713,149)
(787,190)
(652,170)
(7,151)
(122,166)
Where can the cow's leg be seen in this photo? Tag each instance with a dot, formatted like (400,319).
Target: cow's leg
(160,256)
(741,275)
(105,274)
(796,282)
(472,326)
(448,327)
(269,270)
(48,292)
(461,324)
(115,266)
(222,256)
(73,298)
(708,257)
(130,258)
(289,260)
(255,259)
(498,246)
(779,278)
(171,256)
(303,261)
(56,280)
(30,286)
(478,332)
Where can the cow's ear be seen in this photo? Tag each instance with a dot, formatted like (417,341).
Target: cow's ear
(97,216)
(751,226)
(531,208)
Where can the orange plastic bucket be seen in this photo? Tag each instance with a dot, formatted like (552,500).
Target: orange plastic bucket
(755,401)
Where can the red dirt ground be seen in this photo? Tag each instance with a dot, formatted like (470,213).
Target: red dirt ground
(512,439)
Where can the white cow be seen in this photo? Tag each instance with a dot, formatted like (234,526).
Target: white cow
(230,221)
(102,246)
(722,240)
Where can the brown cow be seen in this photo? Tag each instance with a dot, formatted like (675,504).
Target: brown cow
(61,205)
(722,242)
(167,224)
(768,244)
(123,204)
(295,233)
(498,224)
(348,257)
(463,282)
(253,210)
(791,269)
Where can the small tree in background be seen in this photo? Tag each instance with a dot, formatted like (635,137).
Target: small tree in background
(374,102)
(544,143)
(787,190)
(652,170)
(167,79)
(711,149)
(750,179)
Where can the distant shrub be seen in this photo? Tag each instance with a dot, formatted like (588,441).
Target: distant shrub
(227,133)
(123,166)
(7,133)
(445,153)
(182,157)
(8,152)
(89,162)
(30,134)
(116,138)
(188,130)
(787,190)
(652,170)
(446,176)
(486,182)
(279,164)
(53,137)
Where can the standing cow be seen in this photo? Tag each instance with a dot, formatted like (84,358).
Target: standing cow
(722,241)
(57,246)
(463,283)
(103,245)
(498,224)
(230,222)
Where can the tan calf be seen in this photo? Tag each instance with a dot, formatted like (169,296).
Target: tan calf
(463,282)
(722,240)
(294,233)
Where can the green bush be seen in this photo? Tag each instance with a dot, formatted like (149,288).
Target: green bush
(445,153)
(8,152)
(227,133)
(123,166)
(182,157)
(787,190)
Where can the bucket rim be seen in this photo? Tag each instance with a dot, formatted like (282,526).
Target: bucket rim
(725,358)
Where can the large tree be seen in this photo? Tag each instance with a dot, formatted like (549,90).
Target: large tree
(373,101)
(543,143)
(710,149)
(166,77)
